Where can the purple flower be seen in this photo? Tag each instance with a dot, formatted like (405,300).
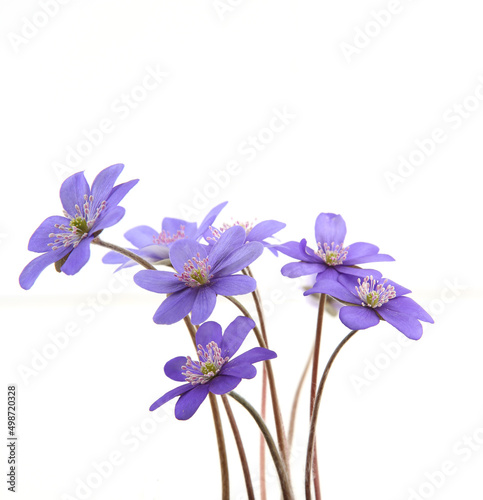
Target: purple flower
(202,273)
(373,300)
(259,232)
(215,371)
(86,212)
(154,246)
(331,257)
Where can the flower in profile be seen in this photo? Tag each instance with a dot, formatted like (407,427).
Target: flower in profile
(331,259)
(202,273)
(258,232)
(372,300)
(87,211)
(215,370)
(153,246)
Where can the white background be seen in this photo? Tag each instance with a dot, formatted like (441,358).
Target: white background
(353,114)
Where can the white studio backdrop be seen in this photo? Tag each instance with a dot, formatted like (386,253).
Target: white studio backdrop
(371,109)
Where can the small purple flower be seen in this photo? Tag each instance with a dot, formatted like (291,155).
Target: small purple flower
(154,246)
(202,273)
(373,300)
(331,257)
(86,213)
(216,370)
(258,232)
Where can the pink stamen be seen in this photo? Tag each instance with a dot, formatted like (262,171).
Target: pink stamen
(374,294)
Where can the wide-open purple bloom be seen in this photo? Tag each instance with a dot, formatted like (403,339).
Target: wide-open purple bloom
(372,301)
(331,257)
(259,232)
(87,211)
(202,273)
(154,246)
(215,370)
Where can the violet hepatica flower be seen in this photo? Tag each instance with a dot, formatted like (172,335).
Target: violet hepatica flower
(259,232)
(87,211)
(153,246)
(202,273)
(372,300)
(215,370)
(331,257)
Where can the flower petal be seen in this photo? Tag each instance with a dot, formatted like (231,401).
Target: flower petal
(406,305)
(230,240)
(209,219)
(78,257)
(141,236)
(203,305)
(114,258)
(119,191)
(292,249)
(330,228)
(182,251)
(356,272)
(33,269)
(242,370)
(39,241)
(253,356)
(334,289)
(158,281)
(378,257)
(238,259)
(172,226)
(358,317)
(189,402)
(235,334)
(222,384)
(111,217)
(208,332)
(265,229)
(297,269)
(72,193)
(103,184)
(233,285)
(173,370)
(408,325)
(170,395)
(175,307)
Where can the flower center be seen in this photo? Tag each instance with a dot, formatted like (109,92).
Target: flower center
(333,255)
(208,366)
(373,294)
(196,272)
(79,225)
(165,238)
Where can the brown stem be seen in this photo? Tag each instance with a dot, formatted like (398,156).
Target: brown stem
(241,449)
(291,428)
(287,493)
(220,438)
(123,251)
(313,423)
(263,410)
(313,385)
(281,436)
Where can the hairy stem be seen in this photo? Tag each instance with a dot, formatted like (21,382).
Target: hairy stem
(313,385)
(123,251)
(315,414)
(287,493)
(241,449)
(220,438)
(293,414)
(281,437)
(263,406)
